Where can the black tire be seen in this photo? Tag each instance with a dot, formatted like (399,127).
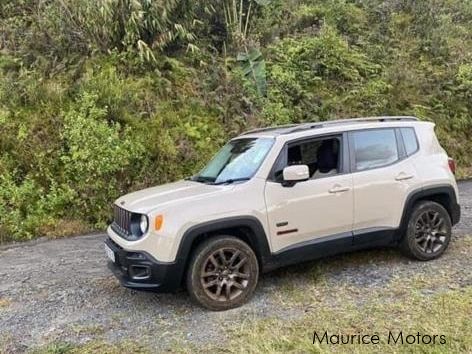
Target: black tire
(221,284)
(428,232)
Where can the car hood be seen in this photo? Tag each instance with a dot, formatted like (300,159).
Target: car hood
(146,200)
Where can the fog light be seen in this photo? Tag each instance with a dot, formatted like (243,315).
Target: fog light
(139,272)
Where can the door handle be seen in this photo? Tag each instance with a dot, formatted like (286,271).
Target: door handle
(403,176)
(338,189)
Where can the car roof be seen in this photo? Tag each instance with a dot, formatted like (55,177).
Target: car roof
(334,125)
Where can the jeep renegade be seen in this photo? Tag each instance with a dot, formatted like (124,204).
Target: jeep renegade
(283,195)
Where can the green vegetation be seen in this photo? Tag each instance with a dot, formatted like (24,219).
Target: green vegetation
(98,98)
(93,347)
(447,314)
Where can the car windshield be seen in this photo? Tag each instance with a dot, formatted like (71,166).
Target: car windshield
(236,161)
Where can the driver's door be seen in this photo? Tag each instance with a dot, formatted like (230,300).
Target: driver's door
(321,207)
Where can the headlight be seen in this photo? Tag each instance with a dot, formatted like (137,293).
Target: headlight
(143,224)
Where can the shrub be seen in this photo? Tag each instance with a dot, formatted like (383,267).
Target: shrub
(101,98)
(95,154)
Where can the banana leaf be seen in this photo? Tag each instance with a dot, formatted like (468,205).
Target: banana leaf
(254,68)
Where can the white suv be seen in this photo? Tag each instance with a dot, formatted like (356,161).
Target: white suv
(277,196)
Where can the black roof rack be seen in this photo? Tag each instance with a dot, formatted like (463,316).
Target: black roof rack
(259,130)
(306,126)
(293,128)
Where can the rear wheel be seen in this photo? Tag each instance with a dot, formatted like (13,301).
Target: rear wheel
(223,273)
(428,232)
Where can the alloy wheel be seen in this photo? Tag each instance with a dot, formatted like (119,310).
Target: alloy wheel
(225,274)
(430,231)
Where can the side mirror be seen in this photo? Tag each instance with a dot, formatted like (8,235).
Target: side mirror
(296,173)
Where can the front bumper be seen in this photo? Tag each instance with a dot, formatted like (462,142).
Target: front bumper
(140,271)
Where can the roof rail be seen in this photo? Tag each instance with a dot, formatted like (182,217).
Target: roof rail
(306,126)
(293,128)
(259,130)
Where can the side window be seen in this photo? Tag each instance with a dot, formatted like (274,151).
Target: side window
(409,140)
(322,156)
(374,148)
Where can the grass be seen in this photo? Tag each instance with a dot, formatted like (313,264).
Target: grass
(447,314)
(464,173)
(93,347)
(432,299)
(430,305)
(4,302)
(91,330)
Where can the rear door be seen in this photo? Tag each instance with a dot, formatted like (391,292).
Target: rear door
(383,176)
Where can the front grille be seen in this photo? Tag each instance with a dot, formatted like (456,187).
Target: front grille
(122,221)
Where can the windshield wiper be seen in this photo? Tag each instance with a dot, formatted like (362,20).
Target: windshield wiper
(211,180)
(232,180)
(201,179)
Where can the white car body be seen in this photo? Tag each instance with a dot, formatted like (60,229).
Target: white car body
(350,207)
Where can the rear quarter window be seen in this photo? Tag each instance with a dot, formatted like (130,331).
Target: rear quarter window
(409,140)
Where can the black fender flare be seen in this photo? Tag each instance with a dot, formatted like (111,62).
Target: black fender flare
(441,190)
(257,238)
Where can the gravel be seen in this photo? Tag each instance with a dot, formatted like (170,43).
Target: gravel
(61,291)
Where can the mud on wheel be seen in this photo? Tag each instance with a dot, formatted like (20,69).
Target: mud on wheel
(223,273)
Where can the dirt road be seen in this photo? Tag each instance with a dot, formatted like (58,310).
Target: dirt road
(61,290)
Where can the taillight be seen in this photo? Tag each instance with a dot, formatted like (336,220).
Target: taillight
(452,164)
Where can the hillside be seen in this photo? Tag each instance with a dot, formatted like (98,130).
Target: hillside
(99,98)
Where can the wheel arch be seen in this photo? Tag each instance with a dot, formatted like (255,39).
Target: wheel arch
(444,195)
(247,228)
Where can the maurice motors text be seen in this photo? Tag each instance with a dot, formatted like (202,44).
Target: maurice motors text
(391,337)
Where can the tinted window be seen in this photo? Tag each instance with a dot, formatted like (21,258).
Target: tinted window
(320,155)
(374,148)
(409,140)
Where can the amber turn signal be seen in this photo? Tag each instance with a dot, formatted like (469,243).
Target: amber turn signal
(158,221)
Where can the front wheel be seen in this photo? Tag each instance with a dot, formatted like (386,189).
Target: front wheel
(223,273)
(428,232)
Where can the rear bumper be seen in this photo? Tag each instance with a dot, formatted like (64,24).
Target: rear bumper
(140,271)
(455,213)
